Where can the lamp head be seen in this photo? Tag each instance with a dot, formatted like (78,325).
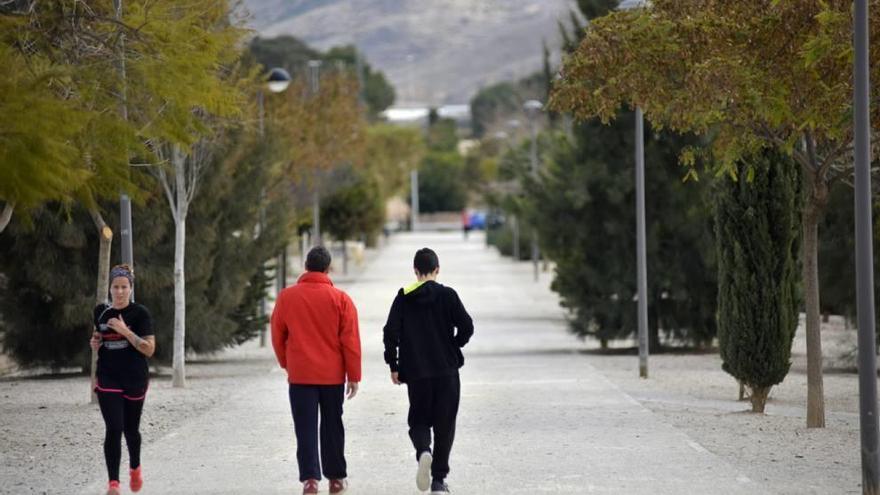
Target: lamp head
(278,80)
(532,107)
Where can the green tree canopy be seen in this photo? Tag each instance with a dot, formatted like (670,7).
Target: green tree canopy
(441,182)
(391,152)
(582,207)
(355,208)
(37,134)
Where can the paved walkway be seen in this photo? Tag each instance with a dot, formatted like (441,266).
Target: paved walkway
(535,416)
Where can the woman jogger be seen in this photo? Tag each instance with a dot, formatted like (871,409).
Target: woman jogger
(124,340)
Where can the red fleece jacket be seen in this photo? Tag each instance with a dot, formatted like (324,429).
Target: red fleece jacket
(315,333)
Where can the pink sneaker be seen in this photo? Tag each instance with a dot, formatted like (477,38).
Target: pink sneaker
(338,486)
(136,482)
(310,487)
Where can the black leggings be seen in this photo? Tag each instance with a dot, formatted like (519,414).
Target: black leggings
(121,416)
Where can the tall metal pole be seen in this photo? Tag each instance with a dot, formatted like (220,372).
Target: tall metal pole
(865,257)
(126,233)
(316,215)
(260,111)
(314,86)
(533,156)
(515,228)
(641,261)
(532,107)
(414,199)
(359,70)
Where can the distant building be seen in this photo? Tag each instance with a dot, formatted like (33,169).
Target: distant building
(418,115)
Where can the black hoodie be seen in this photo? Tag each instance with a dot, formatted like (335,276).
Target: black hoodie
(426,329)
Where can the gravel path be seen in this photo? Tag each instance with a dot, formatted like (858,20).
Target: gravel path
(538,414)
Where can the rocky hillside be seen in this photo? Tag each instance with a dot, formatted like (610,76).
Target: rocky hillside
(435,52)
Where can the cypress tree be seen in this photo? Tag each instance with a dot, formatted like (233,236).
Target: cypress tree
(757,234)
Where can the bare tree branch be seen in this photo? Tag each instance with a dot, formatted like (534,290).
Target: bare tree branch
(799,156)
(97,218)
(6,216)
(159,173)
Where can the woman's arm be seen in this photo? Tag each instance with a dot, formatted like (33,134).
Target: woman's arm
(146,345)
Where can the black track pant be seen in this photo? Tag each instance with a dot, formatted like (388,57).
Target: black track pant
(122,416)
(307,402)
(433,404)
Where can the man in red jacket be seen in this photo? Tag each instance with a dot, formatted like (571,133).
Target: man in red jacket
(315,337)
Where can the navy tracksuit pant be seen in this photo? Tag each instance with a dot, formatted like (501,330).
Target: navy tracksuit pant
(308,403)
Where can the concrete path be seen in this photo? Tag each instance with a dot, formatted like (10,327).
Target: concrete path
(535,416)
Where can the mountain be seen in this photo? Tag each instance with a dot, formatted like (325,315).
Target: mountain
(435,52)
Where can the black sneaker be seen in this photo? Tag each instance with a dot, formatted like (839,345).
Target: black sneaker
(438,487)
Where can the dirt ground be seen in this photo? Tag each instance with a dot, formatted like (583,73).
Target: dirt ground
(691,392)
(44,447)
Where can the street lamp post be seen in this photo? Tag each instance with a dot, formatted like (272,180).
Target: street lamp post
(641,261)
(641,256)
(513,124)
(532,108)
(864,255)
(276,82)
(414,199)
(126,233)
(314,87)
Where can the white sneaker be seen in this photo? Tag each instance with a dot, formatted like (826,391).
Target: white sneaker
(423,475)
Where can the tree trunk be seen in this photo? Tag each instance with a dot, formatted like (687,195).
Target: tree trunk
(759,398)
(103,286)
(654,344)
(316,219)
(281,271)
(6,215)
(179,361)
(817,198)
(303,250)
(179,357)
(742,391)
(344,258)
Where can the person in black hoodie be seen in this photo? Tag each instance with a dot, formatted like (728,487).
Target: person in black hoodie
(426,329)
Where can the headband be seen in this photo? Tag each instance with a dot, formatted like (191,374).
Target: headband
(122,272)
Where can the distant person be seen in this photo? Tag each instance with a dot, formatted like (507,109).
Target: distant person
(315,337)
(426,329)
(123,339)
(465,223)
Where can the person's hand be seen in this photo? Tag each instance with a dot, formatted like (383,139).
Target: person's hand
(95,341)
(395,378)
(118,324)
(351,390)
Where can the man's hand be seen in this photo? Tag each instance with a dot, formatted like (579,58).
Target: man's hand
(95,341)
(351,390)
(395,378)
